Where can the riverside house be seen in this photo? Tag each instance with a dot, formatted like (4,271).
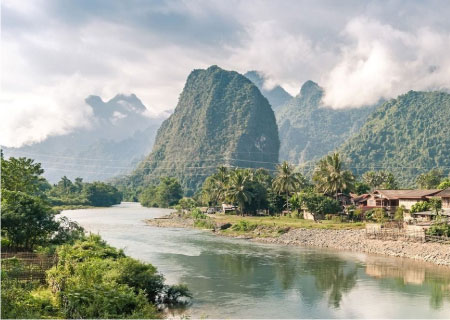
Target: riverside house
(445,196)
(390,200)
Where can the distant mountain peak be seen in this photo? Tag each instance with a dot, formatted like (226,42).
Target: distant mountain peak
(310,88)
(256,77)
(277,96)
(130,102)
(219,113)
(94,100)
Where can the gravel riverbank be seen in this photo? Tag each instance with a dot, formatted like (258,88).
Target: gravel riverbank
(347,240)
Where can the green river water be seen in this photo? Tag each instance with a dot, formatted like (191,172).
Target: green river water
(233,278)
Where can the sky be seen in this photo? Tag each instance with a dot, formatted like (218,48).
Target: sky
(55,53)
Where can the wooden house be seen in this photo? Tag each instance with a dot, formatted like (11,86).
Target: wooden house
(390,200)
(445,196)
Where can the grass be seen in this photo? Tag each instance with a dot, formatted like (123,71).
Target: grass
(284,222)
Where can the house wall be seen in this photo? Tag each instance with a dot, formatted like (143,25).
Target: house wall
(408,203)
(446,203)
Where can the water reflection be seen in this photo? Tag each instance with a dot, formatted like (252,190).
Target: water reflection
(237,279)
(334,276)
(412,277)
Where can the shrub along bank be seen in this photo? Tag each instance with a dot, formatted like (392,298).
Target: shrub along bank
(90,279)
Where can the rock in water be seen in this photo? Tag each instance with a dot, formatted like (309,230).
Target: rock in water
(221,119)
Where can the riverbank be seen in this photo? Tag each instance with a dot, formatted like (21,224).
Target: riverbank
(319,236)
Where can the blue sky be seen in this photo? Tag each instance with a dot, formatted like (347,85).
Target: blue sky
(57,52)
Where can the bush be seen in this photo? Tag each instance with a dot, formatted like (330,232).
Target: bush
(204,224)
(379,215)
(244,225)
(399,213)
(187,203)
(198,214)
(420,207)
(94,280)
(328,216)
(20,302)
(296,214)
(357,215)
(439,229)
(369,215)
(337,219)
(176,294)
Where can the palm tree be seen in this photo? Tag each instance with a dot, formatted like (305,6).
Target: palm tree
(286,181)
(238,189)
(331,177)
(220,183)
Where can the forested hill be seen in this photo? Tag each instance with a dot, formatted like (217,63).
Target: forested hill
(308,130)
(408,135)
(221,119)
(113,140)
(277,96)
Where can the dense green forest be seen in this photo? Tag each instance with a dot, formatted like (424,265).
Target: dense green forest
(309,130)
(408,136)
(63,193)
(221,118)
(89,278)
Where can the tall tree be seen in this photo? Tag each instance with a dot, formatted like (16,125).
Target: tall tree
(239,189)
(380,179)
(430,180)
(215,186)
(286,181)
(331,177)
(21,174)
(26,220)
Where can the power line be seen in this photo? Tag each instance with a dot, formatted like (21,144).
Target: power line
(219,159)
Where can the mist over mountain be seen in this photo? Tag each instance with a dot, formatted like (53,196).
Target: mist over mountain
(309,130)
(277,96)
(118,135)
(221,119)
(408,135)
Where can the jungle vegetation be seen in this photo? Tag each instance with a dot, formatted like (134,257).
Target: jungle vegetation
(90,278)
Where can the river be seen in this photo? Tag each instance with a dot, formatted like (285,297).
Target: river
(232,278)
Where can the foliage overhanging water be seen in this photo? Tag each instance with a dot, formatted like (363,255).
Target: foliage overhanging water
(238,279)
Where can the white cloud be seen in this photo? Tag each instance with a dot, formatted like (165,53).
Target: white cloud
(383,62)
(280,55)
(55,54)
(48,110)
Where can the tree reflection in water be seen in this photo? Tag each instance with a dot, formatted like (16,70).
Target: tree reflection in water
(412,277)
(333,276)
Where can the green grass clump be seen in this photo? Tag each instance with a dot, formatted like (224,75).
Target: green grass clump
(244,225)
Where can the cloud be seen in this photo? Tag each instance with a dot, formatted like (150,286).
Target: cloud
(382,62)
(55,53)
(284,58)
(46,111)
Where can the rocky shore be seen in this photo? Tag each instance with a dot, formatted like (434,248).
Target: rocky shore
(347,240)
(355,240)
